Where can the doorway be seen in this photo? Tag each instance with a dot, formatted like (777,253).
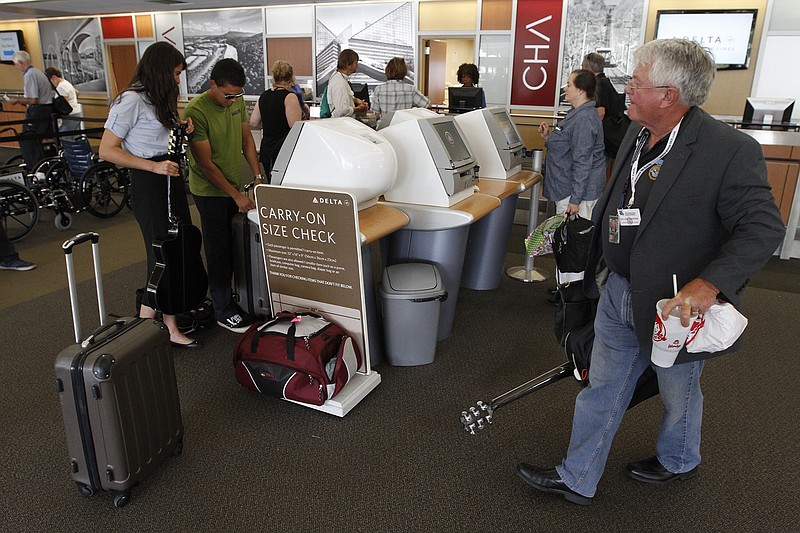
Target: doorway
(440,61)
(122,59)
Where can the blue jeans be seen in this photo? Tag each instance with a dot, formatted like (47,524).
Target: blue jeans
(616,366)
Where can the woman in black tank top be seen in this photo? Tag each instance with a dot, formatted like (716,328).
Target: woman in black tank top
(278,110)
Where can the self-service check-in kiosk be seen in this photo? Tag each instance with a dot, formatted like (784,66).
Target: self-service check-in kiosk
(495,141)
(343,155)
(497,146)
(435,171)
(435,165)
(403,115)
(338,154)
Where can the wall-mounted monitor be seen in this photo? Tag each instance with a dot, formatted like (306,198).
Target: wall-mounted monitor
(727,33)
(767,113)
(11,42)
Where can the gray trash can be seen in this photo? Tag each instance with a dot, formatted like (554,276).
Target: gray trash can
(411,296)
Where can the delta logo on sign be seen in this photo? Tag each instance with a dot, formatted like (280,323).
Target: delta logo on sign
(537,41)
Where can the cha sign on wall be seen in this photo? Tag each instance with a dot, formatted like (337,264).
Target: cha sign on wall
(537,41)
(209,36)
(73,46)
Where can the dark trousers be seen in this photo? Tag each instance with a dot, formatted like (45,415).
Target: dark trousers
(149,203)
(7,250)
(30,143)
(216,217)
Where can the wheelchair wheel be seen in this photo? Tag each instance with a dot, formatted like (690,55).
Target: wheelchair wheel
(48,169)
(19,210)
(14,160)
(105,189)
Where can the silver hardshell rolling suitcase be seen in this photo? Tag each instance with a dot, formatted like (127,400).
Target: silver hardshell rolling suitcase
(118,394)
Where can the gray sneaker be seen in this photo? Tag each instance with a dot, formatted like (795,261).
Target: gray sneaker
(16,263)
(236,323)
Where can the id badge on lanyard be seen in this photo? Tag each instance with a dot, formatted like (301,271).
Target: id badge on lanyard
(629,215)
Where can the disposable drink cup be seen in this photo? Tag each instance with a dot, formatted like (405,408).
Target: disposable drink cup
(669,335)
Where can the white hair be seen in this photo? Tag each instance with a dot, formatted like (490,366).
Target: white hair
(21,57)
(679,63)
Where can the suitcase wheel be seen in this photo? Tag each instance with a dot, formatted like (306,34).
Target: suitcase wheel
(121,500)
(85,490)
(178,448)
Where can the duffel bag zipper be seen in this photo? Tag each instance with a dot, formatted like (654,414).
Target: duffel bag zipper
(311,377)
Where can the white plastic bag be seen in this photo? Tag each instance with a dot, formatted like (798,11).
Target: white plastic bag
(722,324)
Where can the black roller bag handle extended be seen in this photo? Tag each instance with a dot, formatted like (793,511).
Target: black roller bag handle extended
(297,356)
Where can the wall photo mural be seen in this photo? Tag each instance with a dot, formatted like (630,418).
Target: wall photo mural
(377,32)
(209,36)
(612,28)
(74,47)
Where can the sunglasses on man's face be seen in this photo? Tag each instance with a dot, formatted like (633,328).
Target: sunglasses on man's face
(233,96)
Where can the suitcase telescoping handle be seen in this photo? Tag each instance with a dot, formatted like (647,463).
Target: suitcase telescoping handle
(73,289)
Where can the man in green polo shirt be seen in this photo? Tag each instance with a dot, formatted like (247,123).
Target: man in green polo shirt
(221,135)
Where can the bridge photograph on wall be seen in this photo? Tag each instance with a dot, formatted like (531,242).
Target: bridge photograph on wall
(74,47)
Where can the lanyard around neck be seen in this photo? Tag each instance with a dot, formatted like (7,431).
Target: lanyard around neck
(637,172)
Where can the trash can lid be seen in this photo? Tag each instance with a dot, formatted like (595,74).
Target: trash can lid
(411,280)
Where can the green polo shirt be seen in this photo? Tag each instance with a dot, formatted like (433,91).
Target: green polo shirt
(222,127)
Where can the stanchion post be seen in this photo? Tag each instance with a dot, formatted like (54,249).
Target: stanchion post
(529,273)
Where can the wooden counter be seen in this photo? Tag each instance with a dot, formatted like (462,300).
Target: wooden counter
(379,221)
(503,188)
(478,205)
(782,153)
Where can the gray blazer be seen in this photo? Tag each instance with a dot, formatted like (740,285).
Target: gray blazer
(710,214)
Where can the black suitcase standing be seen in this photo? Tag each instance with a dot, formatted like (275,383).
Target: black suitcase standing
(249,274)
(118,394)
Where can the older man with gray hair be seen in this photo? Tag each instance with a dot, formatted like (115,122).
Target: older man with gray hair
(689,197)
(38,97)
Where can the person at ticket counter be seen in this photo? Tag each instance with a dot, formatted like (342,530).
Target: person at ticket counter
(340,95)
(277,110)
(39,101)
(221,135)
(468,76)
(395,93)
(66,89)
(576,162)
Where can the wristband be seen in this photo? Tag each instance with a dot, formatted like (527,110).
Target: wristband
(258,177)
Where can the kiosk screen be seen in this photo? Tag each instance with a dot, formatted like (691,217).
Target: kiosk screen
(452,141)
(508,128)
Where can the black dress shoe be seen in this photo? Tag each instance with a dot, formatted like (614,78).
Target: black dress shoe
(195,344)
(548,480)
(652,471)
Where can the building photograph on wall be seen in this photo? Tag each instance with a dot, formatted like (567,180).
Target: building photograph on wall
(377,32)
(612,28)
(209,36)
(74,47)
